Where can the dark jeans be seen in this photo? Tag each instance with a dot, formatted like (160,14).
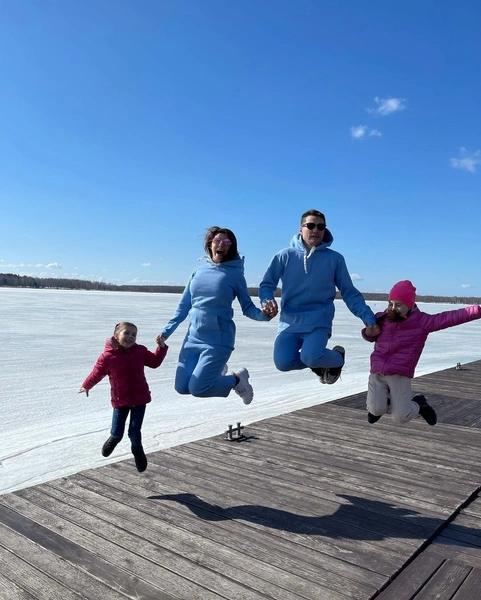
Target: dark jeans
(119,419)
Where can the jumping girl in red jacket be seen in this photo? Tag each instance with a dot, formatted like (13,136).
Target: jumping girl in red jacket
(123,361)
(399,335)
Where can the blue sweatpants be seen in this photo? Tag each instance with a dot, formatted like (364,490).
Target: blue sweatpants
(294,351)
(199,368)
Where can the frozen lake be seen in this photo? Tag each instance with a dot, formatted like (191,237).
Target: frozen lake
(53,338)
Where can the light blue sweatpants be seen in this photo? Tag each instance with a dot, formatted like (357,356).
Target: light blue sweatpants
(199,368)
(294,351)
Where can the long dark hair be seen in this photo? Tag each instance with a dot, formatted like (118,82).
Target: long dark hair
(210,235)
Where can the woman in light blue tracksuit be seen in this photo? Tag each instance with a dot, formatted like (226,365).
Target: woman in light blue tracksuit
(310,273)
(207,301)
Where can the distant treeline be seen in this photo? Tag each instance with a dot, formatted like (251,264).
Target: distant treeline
(26,281)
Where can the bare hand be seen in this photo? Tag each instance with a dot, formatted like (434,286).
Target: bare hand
(82,390)
(373,330)
(270,308)
(160,340)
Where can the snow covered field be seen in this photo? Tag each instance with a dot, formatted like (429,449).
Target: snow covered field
(52,339)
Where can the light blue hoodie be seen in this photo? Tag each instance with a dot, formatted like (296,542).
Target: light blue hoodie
(309,281)
(207,300)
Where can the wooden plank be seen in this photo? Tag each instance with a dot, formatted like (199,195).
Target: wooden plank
(11,591)
(455,553)
(31,580)
(284,553)
(161,482)
(470,588)
(222,559)
(413,578)
(455,548)
(330,459)
(274,510)
(294,475)
(462,534)
(445,582)
(118,550)
(50,553)
(379,519)
(333,419)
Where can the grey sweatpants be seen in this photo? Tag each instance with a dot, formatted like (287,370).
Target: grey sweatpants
(398,389)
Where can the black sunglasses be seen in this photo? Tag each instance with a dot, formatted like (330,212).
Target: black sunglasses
(311,226)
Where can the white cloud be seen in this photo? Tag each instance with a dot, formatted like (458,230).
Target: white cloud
(387,106)
(146,264)
(466,285)
(37,266)
(359,131)
(467,162)
(356,277)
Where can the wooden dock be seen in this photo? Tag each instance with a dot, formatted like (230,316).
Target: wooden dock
(313,505)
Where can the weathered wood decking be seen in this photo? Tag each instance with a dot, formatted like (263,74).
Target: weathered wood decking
(315,505)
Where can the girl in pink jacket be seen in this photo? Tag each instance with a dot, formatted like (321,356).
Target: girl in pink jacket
(123,361)
(399,337)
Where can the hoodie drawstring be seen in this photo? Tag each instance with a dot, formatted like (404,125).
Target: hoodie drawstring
(306,256)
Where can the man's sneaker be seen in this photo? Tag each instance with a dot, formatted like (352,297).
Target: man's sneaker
(224,371)
(372,418)
(427,412)
(320,372)
(244,388)
(109,446)
(140,458)
(332,375)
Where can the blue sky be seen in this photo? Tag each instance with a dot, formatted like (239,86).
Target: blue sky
(128,128)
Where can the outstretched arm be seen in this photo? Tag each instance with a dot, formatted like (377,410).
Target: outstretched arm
(181,312)
(155,359)
(352,297)
(99,371)
(249,309)
(268,285)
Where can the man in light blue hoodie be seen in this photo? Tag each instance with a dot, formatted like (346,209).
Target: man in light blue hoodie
(310,272)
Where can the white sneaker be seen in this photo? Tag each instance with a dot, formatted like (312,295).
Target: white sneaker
(244,388)
(224,370)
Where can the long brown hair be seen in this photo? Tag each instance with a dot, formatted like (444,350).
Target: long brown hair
(210,235)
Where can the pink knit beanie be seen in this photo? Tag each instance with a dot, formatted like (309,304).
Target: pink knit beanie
(405,292)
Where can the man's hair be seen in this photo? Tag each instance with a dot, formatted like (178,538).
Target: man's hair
(123,325)
(312,213)
(210,235)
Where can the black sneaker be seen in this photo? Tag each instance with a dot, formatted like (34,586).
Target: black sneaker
(332,375)
(427,412)
(109,446)
(320,372)
(140,458)
(372,418)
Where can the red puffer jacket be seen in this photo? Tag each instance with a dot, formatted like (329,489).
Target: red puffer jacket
(128,385)
(398,347)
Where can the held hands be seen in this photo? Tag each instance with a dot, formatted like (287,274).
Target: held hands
(270,308)
(373,330)
(83,390)
(160,340)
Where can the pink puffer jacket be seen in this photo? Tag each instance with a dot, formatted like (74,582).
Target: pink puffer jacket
(128,385)
(398,347)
